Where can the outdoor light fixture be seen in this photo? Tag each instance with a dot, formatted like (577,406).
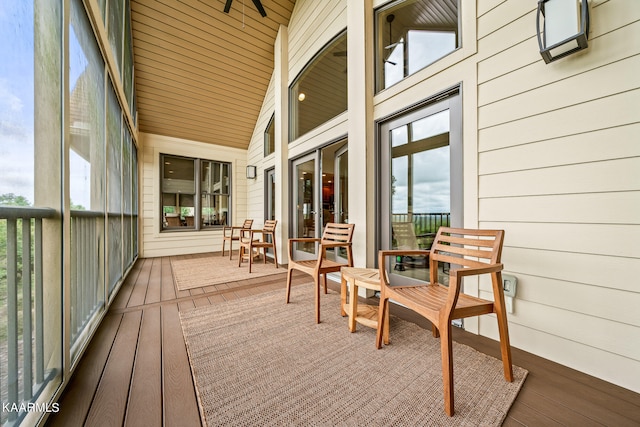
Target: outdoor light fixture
(251,172)
(562,27)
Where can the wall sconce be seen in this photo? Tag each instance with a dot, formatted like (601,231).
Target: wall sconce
(565,27)
(251,172)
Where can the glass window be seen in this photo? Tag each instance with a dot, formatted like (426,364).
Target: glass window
(319,93)
(114,189)
(412,34)
(270,137)
(214,191)
(182,179)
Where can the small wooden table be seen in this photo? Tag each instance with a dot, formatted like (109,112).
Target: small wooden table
(364,314)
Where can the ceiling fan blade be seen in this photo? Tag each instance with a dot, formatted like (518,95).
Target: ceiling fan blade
(227,6)
(260,8)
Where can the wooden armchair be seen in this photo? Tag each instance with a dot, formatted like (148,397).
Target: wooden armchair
(233,233)
(334,236)
(249,243)
(470,253)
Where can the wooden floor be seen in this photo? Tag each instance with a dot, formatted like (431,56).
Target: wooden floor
(136,372)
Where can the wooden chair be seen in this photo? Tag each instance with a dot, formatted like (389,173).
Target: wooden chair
(173,221)
(470,253)
(233,233)
(405,238)
(333,236)
(248,243)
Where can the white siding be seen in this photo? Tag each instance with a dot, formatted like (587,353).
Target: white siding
(559,170)
(156,243)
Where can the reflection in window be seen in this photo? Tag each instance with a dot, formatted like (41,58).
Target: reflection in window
(182,179)
(270,137)
(214,192)
(411,35)
(319,93)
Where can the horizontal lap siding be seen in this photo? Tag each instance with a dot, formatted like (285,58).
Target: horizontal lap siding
(559,170)
(156,243)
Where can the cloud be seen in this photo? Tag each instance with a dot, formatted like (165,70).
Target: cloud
(9,101)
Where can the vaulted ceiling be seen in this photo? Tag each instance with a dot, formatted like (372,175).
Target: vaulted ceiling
(202,74)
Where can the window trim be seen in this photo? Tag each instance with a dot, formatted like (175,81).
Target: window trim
(270,124)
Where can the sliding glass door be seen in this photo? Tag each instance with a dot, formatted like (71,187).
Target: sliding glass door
(421,181)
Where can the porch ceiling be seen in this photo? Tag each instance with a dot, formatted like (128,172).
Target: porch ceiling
(200,73)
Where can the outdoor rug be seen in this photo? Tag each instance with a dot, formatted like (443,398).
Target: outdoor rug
(195,271)
(259,361)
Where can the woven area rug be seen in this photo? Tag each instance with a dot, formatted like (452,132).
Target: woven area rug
(259,361)
(194,271)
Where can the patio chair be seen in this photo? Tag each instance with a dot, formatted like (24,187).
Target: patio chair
(334,236)
(248,243)
(232,233)
(173,221)
(470,253)
(405,238)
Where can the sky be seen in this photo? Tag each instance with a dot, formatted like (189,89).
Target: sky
(16,98)
(430,169)
(17,103)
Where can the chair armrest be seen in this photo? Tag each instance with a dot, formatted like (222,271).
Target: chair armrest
(326,245)
(303,239)
(474,271)
(383,254)
(293,240)
(402,252)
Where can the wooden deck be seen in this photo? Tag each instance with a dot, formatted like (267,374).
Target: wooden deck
(136,372)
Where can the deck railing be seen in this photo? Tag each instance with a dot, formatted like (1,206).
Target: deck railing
(87,271)
(21,319)
(424,223)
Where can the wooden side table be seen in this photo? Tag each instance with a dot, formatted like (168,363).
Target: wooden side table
(364,314)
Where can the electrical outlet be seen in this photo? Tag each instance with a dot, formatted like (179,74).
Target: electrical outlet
(509,283)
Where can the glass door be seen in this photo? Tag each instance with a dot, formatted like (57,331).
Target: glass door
(319,195)
(421,164)
(305,203)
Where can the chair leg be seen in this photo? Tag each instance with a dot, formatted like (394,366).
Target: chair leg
(230,248)
(289,274)
(317,290)
(275,255)
(343,296)
(505,347)
(223,242)
(385,335)
(383,309)
(250,257)
(446,348)
(324,278)
(240,255)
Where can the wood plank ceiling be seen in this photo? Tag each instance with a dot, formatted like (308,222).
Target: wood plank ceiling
(202,74)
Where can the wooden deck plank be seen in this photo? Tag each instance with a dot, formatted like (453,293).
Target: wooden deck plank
(122,298)
(139,292)
(111,397)
(181,407)
(168,291)
(145,397)
(155,282)
(76,401)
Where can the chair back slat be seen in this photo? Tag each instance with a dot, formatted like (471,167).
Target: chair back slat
(456,246)
(341,233)
(248,223)
(270,225)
